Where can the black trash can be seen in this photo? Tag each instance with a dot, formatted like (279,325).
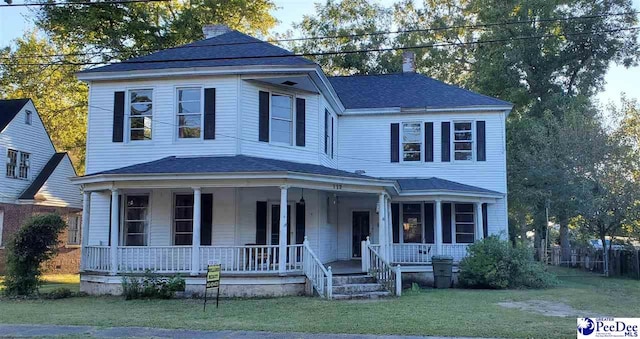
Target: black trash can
(442,271)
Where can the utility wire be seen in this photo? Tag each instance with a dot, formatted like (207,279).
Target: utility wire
(88,3)
(351,36)
(388,49)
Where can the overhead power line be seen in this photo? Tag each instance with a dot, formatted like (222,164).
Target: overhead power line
(88,3)
(351,36)
(372,50)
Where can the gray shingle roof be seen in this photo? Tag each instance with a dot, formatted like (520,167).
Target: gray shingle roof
(437,184)
(43,176)
(228,49)
(406,90)
(227,164)
(9,109)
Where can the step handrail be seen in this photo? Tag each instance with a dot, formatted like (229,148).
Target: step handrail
(384,273)
(321,278)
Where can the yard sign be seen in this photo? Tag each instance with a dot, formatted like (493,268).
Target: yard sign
(213,281)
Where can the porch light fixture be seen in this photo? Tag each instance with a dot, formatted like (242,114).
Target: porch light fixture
(302,197)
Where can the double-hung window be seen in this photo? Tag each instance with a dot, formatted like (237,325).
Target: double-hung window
(140,114)
(189,113)
(12,163)
(282,118)
(463,140)
(412,223)
(136,220)
(23,168)
(183,220)
(464,223)
(73,230)
(411,141)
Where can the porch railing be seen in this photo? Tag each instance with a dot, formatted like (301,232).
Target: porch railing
(413,253)
(160,259)
(457,251)
(384,273)
(96,258)
(320,277)
(251,258)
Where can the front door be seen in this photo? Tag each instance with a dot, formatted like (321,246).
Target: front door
(360,232)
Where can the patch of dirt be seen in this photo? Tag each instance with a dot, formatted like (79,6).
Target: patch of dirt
(544,307)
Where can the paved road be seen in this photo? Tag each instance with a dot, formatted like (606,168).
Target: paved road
(143,332)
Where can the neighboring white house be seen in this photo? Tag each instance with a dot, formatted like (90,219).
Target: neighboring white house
(36,180)
(208,152)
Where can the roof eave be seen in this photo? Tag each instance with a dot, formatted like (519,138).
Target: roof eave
(89,76)
(445,192)
(422,110)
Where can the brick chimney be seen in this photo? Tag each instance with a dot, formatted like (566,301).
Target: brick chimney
(211,31)
(408,62)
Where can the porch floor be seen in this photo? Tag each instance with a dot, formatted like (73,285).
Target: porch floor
(344,267)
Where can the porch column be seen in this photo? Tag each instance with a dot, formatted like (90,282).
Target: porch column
(382,226)
(282,242)
(86,205)
(115,228)
(195,244)
(389,230)
(479,221)
(438,234)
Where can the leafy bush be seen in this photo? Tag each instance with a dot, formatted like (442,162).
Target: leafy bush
(151,286)
(58,293)
(494,263)
(34,243)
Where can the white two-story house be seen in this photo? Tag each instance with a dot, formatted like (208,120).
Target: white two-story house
(231,150)
(36,180)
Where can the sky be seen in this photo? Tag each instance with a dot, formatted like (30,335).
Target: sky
(15,21)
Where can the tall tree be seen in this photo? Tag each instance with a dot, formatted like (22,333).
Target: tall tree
(112,31)
(59,97)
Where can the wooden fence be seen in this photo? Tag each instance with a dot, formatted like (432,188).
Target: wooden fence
(622,262)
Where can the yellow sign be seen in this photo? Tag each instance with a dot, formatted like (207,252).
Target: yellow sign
(213,276)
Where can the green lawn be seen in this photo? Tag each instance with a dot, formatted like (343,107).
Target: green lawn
(427,312)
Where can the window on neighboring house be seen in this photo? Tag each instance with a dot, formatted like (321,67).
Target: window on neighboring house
(412,223)
(140,114)
(12,163)
(464,223)
(463,140)
(1,227)
(183,220)
(411,141)
(74,225)
(189,113)
(281,118)
(23,169)
(327,134)
(28,117)
(136,220)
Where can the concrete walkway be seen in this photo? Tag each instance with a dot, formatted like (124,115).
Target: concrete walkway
(14,331)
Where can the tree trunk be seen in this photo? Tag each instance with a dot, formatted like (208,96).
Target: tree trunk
(605,255)
(539,234)
(564,239)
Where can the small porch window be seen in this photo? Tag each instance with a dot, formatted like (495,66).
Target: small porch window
(411,141)
(183,220)
(412,223)
(136,220)
(282,118)
(464,223)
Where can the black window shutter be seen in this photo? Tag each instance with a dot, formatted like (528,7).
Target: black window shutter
(395,222)
(301,108)
(481,148)
(446,141)
(300,223)
(428,141)
(209,113)
(446,223)
(395,142)
(326,131)
(263,116)
(206,219)
(332,139)
(118,116)
(485,221)
(429,223)
(261,222)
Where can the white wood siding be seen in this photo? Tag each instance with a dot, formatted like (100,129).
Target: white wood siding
(99,216)
(58,189)
(32,139)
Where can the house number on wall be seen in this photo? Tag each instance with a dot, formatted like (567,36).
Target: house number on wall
(337,186)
